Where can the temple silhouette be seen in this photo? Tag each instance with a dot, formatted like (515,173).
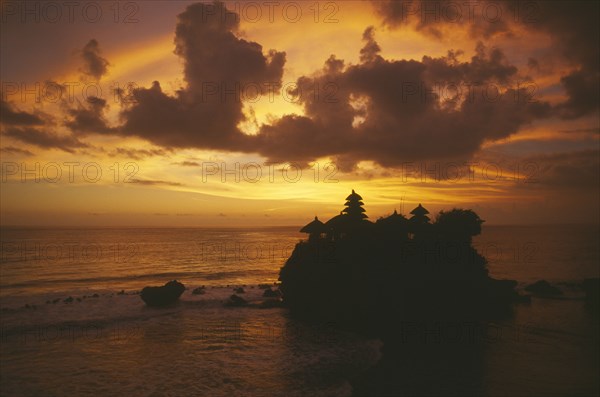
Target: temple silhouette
(353,270)
(352,222)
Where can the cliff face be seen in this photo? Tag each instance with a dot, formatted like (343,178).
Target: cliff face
(372,280)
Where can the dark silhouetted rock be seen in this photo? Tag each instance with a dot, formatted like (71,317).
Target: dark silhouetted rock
(239,290)
(95,296)
(269,293)
(122,292)
(235,300)
(198,291)
(369,275)
(161,296)
(68,300)
(542,287)
(591,286)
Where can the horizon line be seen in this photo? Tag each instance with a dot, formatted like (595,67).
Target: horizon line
(249,226)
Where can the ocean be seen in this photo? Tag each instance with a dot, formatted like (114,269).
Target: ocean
(105,341)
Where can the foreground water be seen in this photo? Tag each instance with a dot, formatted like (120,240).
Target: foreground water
(107,342)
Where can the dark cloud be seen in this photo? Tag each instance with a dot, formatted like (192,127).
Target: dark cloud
(137,154)
(582,91)
(45,139)
(578,169)
(218,65)
(381,110)
(370,51)
(15,150)
(403,118)
(11,116)
(487,65)
(483,18)
(533,64)
(152,182)
(89,118)
(188,163)
(572,25)
(94,65)
(387,111)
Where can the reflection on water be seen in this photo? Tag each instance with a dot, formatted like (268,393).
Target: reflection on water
(46,260)
(197,351)
(549,347)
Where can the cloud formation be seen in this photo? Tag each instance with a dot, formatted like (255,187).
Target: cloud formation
(45,139)
(94,65)
(11,116)
(380,110)
(152,182)
(384,110)
(137,154)
(572,26)
(402,116)
(88,118)
(15,150)
(216,64)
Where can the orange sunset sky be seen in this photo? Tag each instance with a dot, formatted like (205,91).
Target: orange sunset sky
(178,113)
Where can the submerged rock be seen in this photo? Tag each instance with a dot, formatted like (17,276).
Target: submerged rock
(198,291)
(235,300)
(269,293)
(161,296)
(542,287)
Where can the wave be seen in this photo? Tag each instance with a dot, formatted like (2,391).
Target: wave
(159,277)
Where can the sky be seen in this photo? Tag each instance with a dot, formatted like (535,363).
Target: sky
(182,113)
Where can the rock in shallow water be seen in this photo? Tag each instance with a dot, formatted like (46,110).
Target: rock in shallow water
(269,293)
(161,296)
(198,291)
(543,287)
(235,300)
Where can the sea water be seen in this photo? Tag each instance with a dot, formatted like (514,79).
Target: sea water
(105,341)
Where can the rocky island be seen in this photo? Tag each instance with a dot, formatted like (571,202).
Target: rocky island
(371,274)
(418,286)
